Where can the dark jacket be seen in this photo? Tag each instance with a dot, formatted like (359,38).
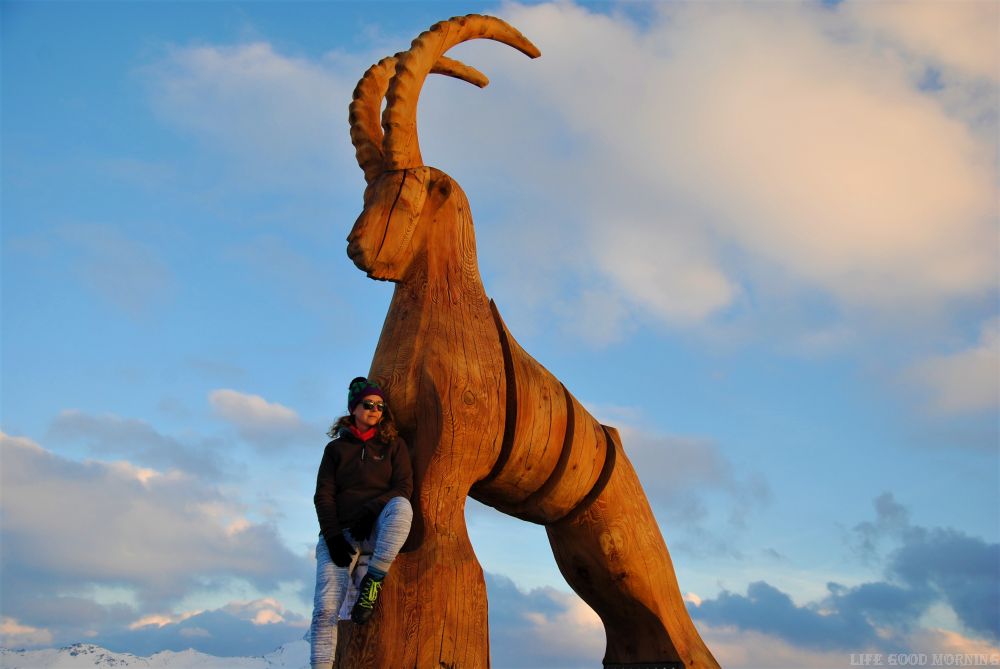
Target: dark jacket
(357,476)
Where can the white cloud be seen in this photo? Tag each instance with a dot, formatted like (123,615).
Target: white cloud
(960,35)
(936,640)
(139,442)
(661,272)
(266,425)
(728,142)
(161,620)
(267,110)
(13,634)
(251,411)
(68,525)
(542,627)
(264,611)
(727,159)
(743,649)
(564,629)
(965,381)
(238,628)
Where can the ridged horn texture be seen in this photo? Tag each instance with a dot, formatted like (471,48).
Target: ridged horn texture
(366,107)
(364,112)
(399,120)
(459,70)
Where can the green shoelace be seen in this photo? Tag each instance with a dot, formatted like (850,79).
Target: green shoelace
(370,594)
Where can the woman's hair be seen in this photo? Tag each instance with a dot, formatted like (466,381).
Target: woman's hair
(386,428)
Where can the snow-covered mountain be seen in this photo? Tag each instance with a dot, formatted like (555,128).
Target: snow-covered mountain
(294,655)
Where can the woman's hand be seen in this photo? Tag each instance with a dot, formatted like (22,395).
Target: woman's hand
(341,550)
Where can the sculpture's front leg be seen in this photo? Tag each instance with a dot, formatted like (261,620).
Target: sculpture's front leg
(611,552)
(432,612)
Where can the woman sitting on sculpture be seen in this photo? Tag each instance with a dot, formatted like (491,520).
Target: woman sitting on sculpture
(362,502)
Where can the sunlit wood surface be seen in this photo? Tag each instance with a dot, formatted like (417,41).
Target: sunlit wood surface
(482,417)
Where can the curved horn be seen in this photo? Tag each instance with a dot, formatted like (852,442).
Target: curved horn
(363,114)
(456,68)
(400,117)
(366,106)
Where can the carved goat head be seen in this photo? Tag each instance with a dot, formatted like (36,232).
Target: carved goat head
(402,192)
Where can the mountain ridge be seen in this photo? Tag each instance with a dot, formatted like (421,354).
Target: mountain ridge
(293,655)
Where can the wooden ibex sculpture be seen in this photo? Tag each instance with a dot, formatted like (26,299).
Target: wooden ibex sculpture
(482,417)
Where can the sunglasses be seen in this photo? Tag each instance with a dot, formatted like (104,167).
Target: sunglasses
(373,406)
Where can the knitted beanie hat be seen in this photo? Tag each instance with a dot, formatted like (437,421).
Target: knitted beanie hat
(359,389)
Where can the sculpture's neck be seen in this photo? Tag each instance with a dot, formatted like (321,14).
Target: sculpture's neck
(446,271)
(439,306)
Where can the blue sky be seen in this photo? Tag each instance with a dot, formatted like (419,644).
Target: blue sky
(760,239)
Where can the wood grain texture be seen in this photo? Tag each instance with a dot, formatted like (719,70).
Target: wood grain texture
(484,418)
(612,554)
(560,447)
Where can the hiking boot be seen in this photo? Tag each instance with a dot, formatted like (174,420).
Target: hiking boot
(364,608)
